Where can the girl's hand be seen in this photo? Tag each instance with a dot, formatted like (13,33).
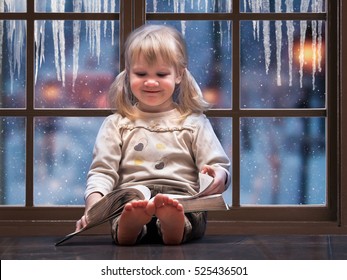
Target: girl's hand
(220,177)
(81,223)
(90,201)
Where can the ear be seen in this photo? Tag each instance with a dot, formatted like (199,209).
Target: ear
(179,77)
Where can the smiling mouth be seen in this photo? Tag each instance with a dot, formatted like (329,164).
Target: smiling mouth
(151,91)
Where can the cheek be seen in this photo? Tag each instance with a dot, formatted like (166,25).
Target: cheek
(134,83)
(170,83)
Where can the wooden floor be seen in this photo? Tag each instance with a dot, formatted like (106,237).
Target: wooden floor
(100,247)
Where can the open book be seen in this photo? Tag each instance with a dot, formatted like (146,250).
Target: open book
(111,205)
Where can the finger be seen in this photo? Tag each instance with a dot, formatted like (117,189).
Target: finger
(78,225)
(203,170)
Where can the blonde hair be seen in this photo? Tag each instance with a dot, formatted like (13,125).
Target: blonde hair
(151,42)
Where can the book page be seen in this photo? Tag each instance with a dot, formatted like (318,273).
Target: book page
(205,181)
(145,191)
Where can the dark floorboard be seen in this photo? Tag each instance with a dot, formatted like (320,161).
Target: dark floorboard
(257,247)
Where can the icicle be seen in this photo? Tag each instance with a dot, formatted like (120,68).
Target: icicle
(220,33)
(93,28)
(179,6)
(278,25)
(19,43)
(10,6)
(319,51)
(77,8)
(155,6)
(62,49)
(266,36)
(314,44)
(199,4)
(175,3)
(290,35)
(10,30)
(267,44)
(98,39)
(113,9)
(105,9)
(255,8)
(317,7)
(320,26)
(229,10)
(59,40)
(16,33)
(39,37)
(303,27)
(229,6)
(314,52)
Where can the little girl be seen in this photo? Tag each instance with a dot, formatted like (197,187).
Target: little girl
(158,137)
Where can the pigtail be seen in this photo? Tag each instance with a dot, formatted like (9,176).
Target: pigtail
(120,96)
(190,99)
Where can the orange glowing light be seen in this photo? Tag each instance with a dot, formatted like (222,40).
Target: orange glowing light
(51,92)
(312,55)
(211,95)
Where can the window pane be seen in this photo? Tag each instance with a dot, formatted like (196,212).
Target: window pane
(222,128)
(63,154)
(188,6)
(80,63)
(12,63)
(9,6)
(284,6)
(272,74)
(209,57)
(100,6)
(283,161)
(12,161)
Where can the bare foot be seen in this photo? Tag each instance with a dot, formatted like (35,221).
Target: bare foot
(171,216)
(135,215)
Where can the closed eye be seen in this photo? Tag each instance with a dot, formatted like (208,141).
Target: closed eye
(140,74)
(162,74)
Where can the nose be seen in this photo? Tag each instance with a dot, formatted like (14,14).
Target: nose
(151,83)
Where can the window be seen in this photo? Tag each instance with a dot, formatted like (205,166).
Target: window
(263,64)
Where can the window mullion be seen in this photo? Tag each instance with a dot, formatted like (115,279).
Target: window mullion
(126,26)
(236,146)
(139,12)
(29,196)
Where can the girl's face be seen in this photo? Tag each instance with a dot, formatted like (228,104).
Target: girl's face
(153,85)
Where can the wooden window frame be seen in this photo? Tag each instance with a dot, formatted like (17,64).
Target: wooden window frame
(307,219)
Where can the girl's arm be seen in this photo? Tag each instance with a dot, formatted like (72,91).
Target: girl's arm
(210,156)
(90,201)
(220,178)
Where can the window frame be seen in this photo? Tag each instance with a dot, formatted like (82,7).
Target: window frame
(255,219)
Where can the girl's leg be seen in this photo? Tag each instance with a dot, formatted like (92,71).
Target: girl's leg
(171,217)
(129,225)
(195,225)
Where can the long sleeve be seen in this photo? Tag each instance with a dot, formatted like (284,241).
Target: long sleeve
(207,147)
(103,173)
